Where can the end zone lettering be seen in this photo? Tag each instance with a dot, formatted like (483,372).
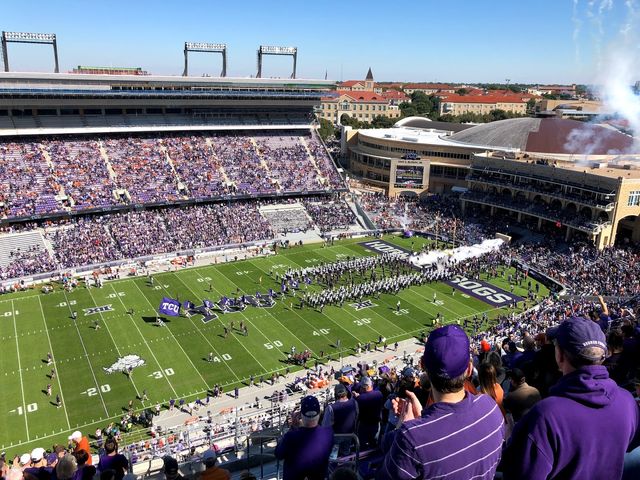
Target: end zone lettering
(490,294)
(381,247)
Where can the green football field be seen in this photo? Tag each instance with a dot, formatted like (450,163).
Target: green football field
(176,356)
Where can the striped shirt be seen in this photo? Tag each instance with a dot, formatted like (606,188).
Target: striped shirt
(450,441)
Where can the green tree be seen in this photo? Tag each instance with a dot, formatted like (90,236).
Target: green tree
(531,104)
(326,129)
(498,114)
(407,109)
(462,91)
(382,122)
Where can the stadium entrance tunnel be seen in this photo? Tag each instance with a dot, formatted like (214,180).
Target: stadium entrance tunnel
(628,230)
(408,194)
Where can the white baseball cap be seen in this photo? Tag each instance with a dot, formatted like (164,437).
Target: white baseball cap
(77,435)
(25,458)
(37,454)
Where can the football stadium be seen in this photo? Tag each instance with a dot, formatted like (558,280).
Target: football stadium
(193,282)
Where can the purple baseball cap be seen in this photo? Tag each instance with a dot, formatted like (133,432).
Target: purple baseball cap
(577,333)
(309,406)
(446,353)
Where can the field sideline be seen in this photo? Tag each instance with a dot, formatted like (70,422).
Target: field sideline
(176,356)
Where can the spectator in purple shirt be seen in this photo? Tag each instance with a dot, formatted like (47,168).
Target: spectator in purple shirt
(305,450)
(113,460)
(583,429)
(370,403)
(460,435)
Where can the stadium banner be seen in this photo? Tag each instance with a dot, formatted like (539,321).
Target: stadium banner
(494,296)
(381,247)
(170,307)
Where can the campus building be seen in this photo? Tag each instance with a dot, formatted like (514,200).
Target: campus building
(361,100)
(534,170)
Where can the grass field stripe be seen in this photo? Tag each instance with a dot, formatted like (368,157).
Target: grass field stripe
(237,339)
(204,336)
(324,314)
(24,403)
(174,337)
(64,404)
(106,326)
(87,356)
(272,316)
(144,340)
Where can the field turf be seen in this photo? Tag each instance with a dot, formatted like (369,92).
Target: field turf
(176,355)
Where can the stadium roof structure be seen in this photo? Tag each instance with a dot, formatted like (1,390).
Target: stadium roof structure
(34,80)
(439,135)
(547,135)
(424,122)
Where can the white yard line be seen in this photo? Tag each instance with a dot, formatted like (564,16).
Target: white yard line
(87,355)
(24,403)
(174,337)
(114,343)
(64,404)
(145,341)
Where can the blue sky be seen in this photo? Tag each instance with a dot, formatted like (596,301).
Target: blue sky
(465,41)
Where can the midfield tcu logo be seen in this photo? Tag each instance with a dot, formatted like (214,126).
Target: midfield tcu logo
(483,291)
(92,310)
(123,364)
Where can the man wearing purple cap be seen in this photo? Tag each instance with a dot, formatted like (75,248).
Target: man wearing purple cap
(583,429)
(306,449)
(460,435)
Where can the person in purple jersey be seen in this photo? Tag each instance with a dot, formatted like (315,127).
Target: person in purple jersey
(370,403)
(113,460)
(460,435)
(583,429)
(306,449)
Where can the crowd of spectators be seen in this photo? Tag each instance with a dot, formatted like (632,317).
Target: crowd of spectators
(80,173)
(330,215)
(95,239)
(585,270)
(34,259)
(53,175)
(99,239)
(550,211)
(435,214)
(28,186)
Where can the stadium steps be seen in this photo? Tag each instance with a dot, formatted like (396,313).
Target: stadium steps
(361,216)
(105,157)
(213,154)
(264,163)
(321,179)
(20,241)
(52,167)
(182,187)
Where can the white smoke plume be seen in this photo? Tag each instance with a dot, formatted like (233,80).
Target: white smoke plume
(620,70)
(616,59)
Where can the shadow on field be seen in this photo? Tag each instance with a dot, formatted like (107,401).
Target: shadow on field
(153,320)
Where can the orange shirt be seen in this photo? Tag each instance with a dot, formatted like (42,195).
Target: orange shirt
(83,444)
